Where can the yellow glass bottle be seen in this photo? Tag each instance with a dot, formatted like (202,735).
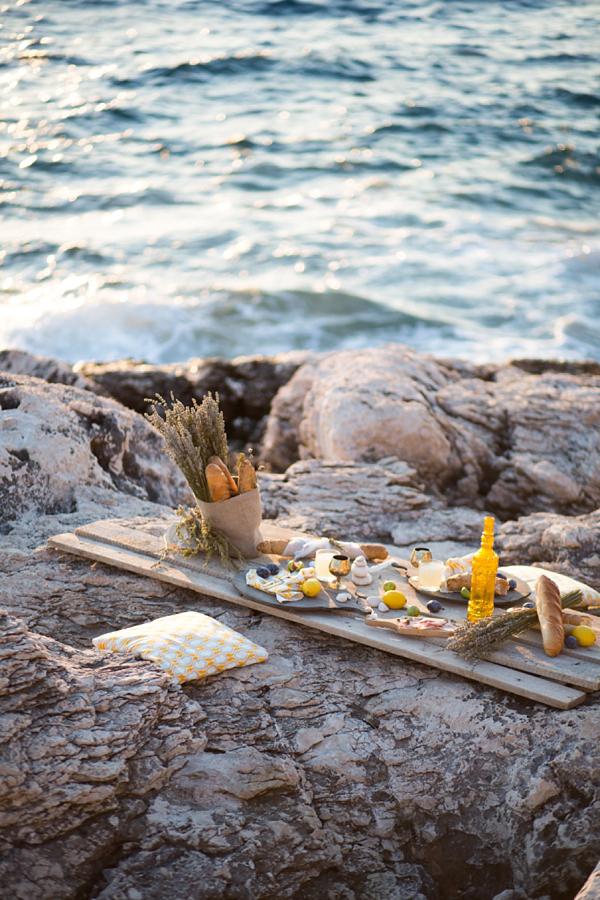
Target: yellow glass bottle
(483,581)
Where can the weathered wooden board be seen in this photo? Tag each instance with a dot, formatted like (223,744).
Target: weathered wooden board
(138,551)
(579,667)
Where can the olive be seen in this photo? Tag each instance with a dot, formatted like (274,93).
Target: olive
(434,606)
(273,568)
(263,572)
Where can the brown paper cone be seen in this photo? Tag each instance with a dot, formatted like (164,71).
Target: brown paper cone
(238,519)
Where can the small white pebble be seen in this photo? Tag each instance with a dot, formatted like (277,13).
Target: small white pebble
(343,597)
(373,602)
(383,607)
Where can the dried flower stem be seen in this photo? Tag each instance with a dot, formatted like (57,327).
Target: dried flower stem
(473,640)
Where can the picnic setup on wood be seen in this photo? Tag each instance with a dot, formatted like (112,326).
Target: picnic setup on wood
(517,628)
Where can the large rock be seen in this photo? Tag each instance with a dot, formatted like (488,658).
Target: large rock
(361,499)
(20,362)
(591,889)
(498,437)
(61,447)
(366,405)
(83,741)
(246,385)
(567,544)
(331,770)
(527,442)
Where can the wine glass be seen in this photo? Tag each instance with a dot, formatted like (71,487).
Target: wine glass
(339,566)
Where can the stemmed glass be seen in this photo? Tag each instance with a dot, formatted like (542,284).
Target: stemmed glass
(339,566)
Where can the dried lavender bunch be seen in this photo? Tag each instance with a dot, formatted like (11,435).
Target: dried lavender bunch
(472,640)
(192,434)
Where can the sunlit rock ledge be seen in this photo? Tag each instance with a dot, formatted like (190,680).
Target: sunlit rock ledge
(331,770)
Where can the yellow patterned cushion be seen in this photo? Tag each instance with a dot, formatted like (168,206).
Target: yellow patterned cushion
(188,645)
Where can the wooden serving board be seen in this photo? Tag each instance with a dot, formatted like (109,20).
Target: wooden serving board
(325,601)
(519,667)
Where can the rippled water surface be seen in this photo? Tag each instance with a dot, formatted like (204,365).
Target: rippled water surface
(189,178)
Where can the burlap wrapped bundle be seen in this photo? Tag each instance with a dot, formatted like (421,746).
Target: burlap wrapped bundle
(238,519)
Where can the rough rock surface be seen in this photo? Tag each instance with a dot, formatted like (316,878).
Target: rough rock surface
(567,544)
(366,499)
(62,446)
(331,770)
(246,385)
(19,362)
(528,442)
(503,438)
(83,741)
(366,405)
(591,889)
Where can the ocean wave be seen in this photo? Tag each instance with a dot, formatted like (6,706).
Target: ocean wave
(580,98)
(568,163)
(202,70)
(102,326)
(367,11)
(343,68)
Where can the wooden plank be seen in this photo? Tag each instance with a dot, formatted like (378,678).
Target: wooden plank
(531,658)
(355,629)
(575,667)
(587,654)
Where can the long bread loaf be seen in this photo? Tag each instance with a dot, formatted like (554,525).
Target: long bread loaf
(217,461)
(549,610)
(218,483)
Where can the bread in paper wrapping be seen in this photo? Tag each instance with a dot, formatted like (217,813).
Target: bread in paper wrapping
(218,483)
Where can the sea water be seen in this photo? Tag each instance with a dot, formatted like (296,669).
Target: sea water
(185,177)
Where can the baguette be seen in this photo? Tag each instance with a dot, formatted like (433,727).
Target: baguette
(246,475)
(276,547)
(218,483)
(550,615)
(570,617)
(217,461)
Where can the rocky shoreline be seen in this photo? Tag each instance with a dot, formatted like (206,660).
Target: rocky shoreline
(329,771)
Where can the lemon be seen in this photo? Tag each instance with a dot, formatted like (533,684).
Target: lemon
(394,599)
(311,587)
(585,636)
